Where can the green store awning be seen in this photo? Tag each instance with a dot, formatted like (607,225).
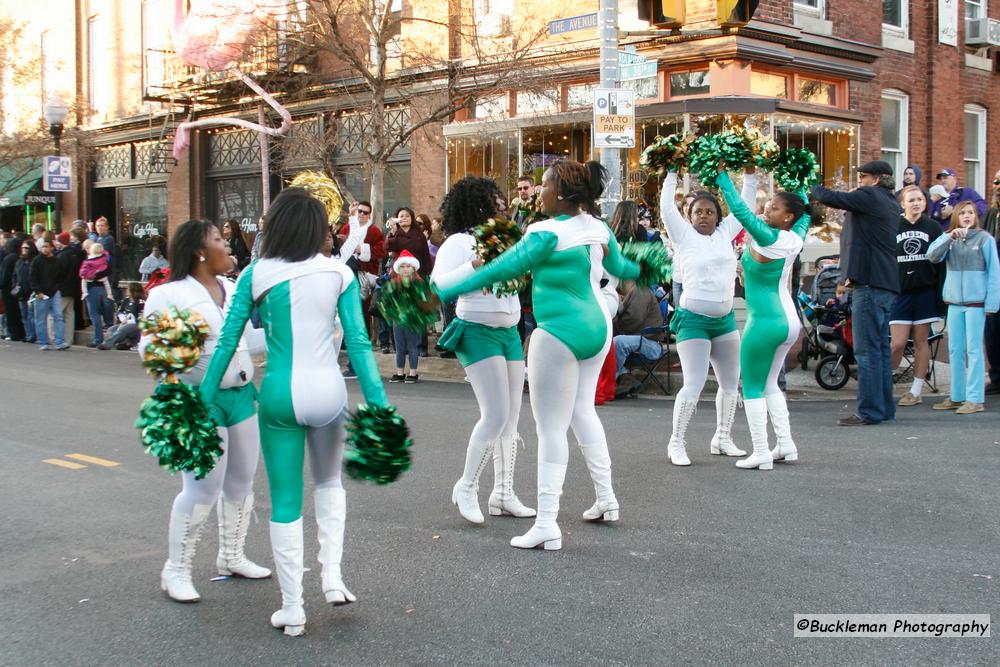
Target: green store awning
(16,179)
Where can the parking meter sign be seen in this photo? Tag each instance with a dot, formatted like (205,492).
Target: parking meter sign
(614,118)
(58,174)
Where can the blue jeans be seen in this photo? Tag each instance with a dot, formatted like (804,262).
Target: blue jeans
(965,352)
(28,319)
(96,296)
(625,345)
(43,309)
(407,345)
(870,310)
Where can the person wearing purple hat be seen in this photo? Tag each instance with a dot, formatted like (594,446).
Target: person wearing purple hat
(868,264)
(942,210)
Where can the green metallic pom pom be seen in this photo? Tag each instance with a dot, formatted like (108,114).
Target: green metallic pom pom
(378,445)
(732,148)
(655,266)
(493,237)
(177,429)
(795,169)
(409,303)
(668,153)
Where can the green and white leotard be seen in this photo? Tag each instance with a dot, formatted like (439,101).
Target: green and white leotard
(565,259)
(772,324)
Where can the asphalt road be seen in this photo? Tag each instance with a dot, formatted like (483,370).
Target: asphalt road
(707,566)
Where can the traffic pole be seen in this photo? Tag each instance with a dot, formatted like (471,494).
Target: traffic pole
(610,157)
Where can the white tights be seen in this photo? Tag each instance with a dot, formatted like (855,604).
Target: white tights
(562,396)
(326,452)
(696,354)
(233,473)
(499,386)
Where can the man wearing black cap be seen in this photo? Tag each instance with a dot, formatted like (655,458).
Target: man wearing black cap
(868,264)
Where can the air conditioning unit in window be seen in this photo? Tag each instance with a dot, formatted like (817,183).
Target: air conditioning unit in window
(982,32)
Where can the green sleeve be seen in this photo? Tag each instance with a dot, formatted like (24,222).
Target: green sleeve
(617,264)
(761,232)
(513,263)
(801,226)
(236,319)
(359,348)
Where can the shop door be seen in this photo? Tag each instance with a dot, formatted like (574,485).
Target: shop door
(142,221)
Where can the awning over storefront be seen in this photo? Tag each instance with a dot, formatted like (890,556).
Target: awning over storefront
(16,179)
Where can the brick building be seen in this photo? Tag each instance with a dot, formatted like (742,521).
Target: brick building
(914,81)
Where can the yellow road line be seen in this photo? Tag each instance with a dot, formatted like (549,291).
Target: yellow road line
(93,459)
(64,464)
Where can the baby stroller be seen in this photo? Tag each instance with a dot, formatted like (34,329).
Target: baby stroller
(814,312)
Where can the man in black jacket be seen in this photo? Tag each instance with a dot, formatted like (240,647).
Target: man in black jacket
(70,257)
(868,264)
(44,276)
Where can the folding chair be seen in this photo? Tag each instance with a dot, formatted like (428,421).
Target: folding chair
(909,359)
(646,367)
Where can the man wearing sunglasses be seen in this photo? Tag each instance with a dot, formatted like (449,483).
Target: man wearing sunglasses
(941,210)
(520,203)
(992,226)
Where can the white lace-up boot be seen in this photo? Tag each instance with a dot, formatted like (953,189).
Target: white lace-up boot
(466,492)
(545,533)
(503,500)
(684,409)
(725,415)
(182,538)
(234,521)
(331,515)
(760,458)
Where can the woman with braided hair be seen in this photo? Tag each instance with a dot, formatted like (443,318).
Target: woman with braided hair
(483,336)
(772,324)
(566,256)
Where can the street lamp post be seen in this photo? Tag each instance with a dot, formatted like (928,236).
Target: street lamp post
(55,115)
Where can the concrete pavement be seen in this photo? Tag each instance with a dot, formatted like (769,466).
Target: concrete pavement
(707,566)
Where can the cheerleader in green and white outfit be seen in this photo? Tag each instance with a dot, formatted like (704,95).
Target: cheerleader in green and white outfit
(484,338)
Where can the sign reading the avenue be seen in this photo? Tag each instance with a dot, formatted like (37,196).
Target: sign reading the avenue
(585,22)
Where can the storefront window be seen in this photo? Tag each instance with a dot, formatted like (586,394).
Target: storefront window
(814,91)
(239,199)
(395,193)
(768,84)
(542,146)
(640,185)
(143,222)
(683,84)
(580,95)
(533,103)
(485,156)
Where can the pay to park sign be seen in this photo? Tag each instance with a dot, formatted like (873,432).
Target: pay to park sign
(614,118)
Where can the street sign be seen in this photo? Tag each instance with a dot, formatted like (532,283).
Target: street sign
(58,174)
(633,66)
(585,22)
(614,118)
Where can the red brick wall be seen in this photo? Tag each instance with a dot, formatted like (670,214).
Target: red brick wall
(935,77)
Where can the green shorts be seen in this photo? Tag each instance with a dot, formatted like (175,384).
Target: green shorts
(234,405)
(686,325)
(472,342)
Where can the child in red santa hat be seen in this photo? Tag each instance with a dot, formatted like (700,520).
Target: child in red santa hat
(407,340)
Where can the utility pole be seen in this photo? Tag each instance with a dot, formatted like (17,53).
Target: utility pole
(611,159)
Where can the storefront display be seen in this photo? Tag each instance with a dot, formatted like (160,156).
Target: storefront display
(142,222)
